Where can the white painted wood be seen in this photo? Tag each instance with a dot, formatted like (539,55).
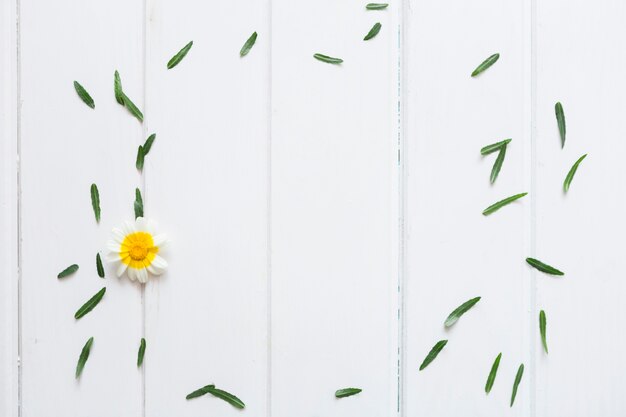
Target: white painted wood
(453,252)
(207,185)
(65,146)
(579,62)
(8,212)
(334,216)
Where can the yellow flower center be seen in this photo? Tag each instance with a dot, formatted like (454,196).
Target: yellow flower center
(138,250)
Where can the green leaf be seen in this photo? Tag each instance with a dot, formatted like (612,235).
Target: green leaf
(486,64)
(492,374)
(328,59)
(82,359)
(542,329)
(228,397)
(347,392)
(68,271)
(497,165)
(199,392)
(433,353)
(560,119)
(543,267)
(141,352)
(84,95)
(134,110)
(179,56)
(138,204)
(99,266)
(117,88)
(376,6)
(248,45)
(148,143)
(95,201)
(570,174)
(497,206)
(518,379)
(90,304)
(494,147)
(373,31)
(459,311)
(140,157)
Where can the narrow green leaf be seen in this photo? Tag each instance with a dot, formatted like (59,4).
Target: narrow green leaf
(138,204)
(328,59)
(142,352)
(84,95)
(99,266)
(497,206)
(148,143)
(117,88)
(376,6)
(486,64)
(248,45)
(459,311)
(560,119)
(82,359)
(90,304)
(140,158)
(199,392)
(68,271)
(492,374)
(95,201)
(543,267)
(228,397)
(134,110)
(542,330)
(497,165)
(433,353)
(373,31)
(518,379)
(494,147)
(179,56)
(572,171)
(347,392)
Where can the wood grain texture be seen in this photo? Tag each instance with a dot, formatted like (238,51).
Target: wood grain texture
(207,184)
(65,146)
(334,200)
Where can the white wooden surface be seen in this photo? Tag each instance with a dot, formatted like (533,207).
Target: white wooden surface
(324,219)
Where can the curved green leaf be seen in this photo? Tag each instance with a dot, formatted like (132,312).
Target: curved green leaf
(226,396)
(537,264)
(486,150)
(376,6)
(373,31)
(199,392)
(570,174)
(248,45)
(560,119)
(141,352)
(492,373)
(518,379)
(99,266)
(433,353)
(84,95)
(486,64)
(497,165)
(497,206)
(347,392)
(140,158)
(90,304)
(68,271)
(459,311)
(117,88)
(95,201)
(179,56)
(542,329)
(82,359)
(327,59)
(132,108)
(138,204)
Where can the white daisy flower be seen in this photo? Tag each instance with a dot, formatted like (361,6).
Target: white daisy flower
(135,247)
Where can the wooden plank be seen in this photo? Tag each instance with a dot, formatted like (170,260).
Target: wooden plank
(207,185)
(65,147)
(581,231)
(9,389)
(334,215)
(453,252)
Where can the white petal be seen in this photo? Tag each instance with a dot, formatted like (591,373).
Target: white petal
(160,240)
(141,224)
(142,275)
(121,269)
(114,246)
(118,235)
(112,257)
(132,275)
(151,227)
(159,262)
(128,228)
